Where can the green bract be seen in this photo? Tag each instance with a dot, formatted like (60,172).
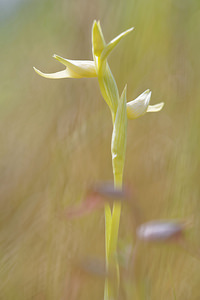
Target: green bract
(118,145)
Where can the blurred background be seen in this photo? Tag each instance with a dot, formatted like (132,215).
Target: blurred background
(55,143)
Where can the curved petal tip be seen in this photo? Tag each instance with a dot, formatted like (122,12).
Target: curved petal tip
(57,75)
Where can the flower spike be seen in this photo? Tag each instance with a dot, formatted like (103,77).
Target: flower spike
(140,106)
(120,111)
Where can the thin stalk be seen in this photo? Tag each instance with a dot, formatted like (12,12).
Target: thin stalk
(111,239)
(108,223)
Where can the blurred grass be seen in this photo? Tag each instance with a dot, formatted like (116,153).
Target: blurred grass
(55,141)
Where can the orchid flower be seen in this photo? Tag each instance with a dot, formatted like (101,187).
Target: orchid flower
(140,106)
(74,69)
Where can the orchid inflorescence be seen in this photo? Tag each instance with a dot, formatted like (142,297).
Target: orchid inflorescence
(120,111)
(99,68)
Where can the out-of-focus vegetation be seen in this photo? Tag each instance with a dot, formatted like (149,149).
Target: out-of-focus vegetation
(55,142)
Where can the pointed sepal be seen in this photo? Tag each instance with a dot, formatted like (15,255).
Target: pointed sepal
(110,46)
(98,42)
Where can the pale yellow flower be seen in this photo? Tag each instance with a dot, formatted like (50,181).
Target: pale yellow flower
(140,106)
(74,69)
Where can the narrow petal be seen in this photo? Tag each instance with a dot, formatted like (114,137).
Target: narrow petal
(110,46)
(61,74)
(138,107)
(156,107)
(82,68)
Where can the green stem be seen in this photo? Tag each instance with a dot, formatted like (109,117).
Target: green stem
(111,239)
(108,223)
(116,212)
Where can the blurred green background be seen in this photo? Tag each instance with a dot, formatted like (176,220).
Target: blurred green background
(55,142)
